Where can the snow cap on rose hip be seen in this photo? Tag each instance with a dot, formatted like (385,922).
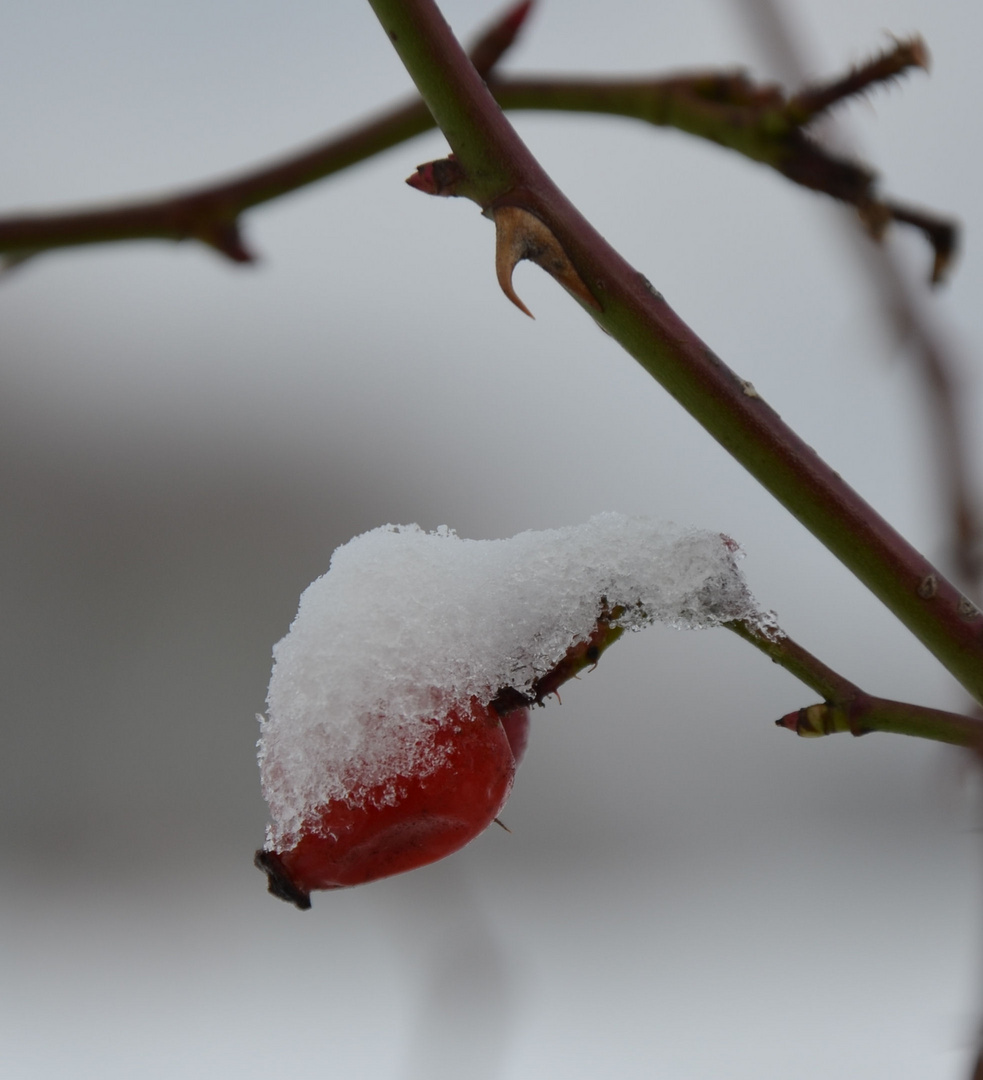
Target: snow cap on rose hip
(413,641)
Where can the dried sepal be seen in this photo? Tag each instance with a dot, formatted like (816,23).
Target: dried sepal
(521,235)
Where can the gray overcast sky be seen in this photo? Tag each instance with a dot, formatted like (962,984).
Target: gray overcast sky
(184,443)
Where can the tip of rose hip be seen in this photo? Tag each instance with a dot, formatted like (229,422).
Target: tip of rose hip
(279,881)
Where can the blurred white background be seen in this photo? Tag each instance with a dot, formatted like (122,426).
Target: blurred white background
(687,892)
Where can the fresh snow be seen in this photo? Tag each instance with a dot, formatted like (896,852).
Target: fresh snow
(406,622)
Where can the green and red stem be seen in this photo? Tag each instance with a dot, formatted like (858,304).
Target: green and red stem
(847,708)
(579,657)
(502,172)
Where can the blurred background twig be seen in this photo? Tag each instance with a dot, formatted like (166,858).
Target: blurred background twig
(904,311)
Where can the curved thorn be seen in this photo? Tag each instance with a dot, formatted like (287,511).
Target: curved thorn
(508,251)
(520,235)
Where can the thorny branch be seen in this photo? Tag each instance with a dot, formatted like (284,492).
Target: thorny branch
(759,121)
(501,175)
(726,108)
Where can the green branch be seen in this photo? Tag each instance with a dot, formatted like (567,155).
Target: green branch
(534,220)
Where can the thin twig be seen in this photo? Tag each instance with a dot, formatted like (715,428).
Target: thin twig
(579,657)
(847,708)
(210,212)
(906,318)
(726,108)
(888,66)
(758,121)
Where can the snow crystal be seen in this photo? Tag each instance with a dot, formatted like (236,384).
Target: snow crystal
(406,623)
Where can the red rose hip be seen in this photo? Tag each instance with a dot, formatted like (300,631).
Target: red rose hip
(407,821)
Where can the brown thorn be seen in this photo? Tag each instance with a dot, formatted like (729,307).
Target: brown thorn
(520,235)
(498,821)
(509,250)
(226,238)
(943,235)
